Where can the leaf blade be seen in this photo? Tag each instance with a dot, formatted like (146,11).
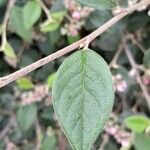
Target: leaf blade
(76,91)
(26,116)
(98,4)
(137,123)
(33,10)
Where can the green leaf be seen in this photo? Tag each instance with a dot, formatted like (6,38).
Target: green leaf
(141,142)
(2,2)
(50,79)
(134,24)
(98,4)
(100,17)
(146,59)
(16,23)
(26,116)
(137,123)
(25,84)
(49,143)
(52,25)
(2,145)
(72,39)
(58,15)
(49,26)
(83,97)
(31,13)
(8,51)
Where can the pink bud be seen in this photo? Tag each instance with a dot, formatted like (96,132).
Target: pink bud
(146,81)
(121,86)
(76,15)
(73,31)
(125,143)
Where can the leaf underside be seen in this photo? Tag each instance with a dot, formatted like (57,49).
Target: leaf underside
(83,97)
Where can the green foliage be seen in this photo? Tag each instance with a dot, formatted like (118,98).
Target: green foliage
(72,39)
(98,18)
(25,83)
(52,25)
(146,59)
(31,13)
(1,2)
(49,143)
(50,79)
(17,24)
(1,145)
(83,97)
(137,123)
(98,4)
(8,50)
(33,33)
(26,116)
(49,26)
(141,142)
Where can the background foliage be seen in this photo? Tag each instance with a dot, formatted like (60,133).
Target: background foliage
(27,119)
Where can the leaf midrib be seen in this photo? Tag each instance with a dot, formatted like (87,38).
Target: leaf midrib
(83,58)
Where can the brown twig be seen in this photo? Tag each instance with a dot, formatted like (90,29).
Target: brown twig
(105,141)
(5,112)
(113,63)
(138,78)
(16,75)
(136,42)
(45,9)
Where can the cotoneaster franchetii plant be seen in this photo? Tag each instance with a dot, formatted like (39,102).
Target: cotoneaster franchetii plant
(82,92)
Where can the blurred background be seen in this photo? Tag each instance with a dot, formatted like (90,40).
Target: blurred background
(38,28)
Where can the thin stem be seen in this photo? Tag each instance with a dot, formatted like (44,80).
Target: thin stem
(38,136)
(5,21)
(7,128)
(45,9)
(16,75)
(113,63)
(136,42)
(105,141)
(137,73)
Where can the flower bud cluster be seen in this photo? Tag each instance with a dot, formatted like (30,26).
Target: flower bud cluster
(76,16)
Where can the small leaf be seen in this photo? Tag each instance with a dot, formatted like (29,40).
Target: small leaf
(72,39)
(49,143)
(83,97)
(49,26)
(137,123)
(50,79)
(98,4)
(2,2)
(31,13)
(58,15)
(26,116)
(16,23)
(2,145)
(8,51)
(25,84)
(141,142)
(146,59)
(52,25)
